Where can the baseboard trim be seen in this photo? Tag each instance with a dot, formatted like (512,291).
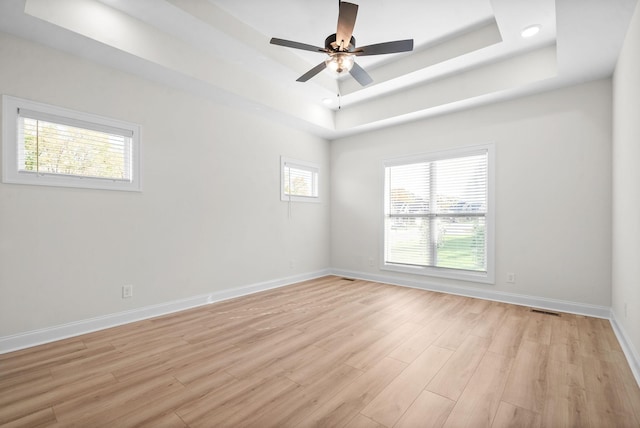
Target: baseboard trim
(64,331)
(633,358)
(50,334)
(483,293)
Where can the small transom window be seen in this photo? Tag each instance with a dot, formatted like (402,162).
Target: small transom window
(48,145)
(299,181)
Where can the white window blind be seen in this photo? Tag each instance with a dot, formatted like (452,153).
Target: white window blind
(53,147)
(436,210)
(299,180)
(60,147)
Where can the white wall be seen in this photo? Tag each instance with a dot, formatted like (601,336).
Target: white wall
(209,217)
(626,187)
(65,253)
(553,191)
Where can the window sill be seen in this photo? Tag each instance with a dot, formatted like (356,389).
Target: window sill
(301,199)
(462,275)
(74,182)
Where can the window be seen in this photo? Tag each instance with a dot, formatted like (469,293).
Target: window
(438,215)
(299,181)
(53,146)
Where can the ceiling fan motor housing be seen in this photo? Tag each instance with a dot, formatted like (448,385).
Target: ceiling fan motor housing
(331,44)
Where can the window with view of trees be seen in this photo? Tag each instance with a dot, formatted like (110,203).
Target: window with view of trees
(53,146)
(437,214)
(299,180)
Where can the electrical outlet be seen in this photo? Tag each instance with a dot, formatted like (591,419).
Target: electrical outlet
(292,264)
(511,278)
(371,261)
(127,291)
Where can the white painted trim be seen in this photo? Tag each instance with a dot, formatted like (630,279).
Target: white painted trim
(487,277)
(633,357)
(37,337)
(311,167)
(76,328)
(486,294)
(10,135)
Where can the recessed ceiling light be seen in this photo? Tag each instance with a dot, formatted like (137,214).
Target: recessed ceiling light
(327,101)
(530,31)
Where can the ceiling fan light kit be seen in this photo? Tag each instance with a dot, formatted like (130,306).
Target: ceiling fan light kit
(340,62)
(341,48)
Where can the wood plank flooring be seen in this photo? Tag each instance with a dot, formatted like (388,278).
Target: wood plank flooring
(330,352)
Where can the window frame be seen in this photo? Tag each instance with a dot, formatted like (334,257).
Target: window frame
(10,146)
(312,167)
(487,277)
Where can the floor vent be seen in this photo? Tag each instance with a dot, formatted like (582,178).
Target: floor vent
(540,311)
(348,279)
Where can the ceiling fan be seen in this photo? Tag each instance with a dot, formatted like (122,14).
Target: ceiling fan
(341,48)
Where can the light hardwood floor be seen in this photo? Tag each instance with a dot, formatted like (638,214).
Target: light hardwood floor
(330,352)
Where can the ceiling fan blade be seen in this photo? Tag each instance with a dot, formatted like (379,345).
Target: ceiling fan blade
(346,22)
(296,45)
(385,48)
(309,74)
(360,75)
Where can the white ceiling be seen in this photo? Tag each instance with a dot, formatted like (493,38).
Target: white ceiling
(467,52)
